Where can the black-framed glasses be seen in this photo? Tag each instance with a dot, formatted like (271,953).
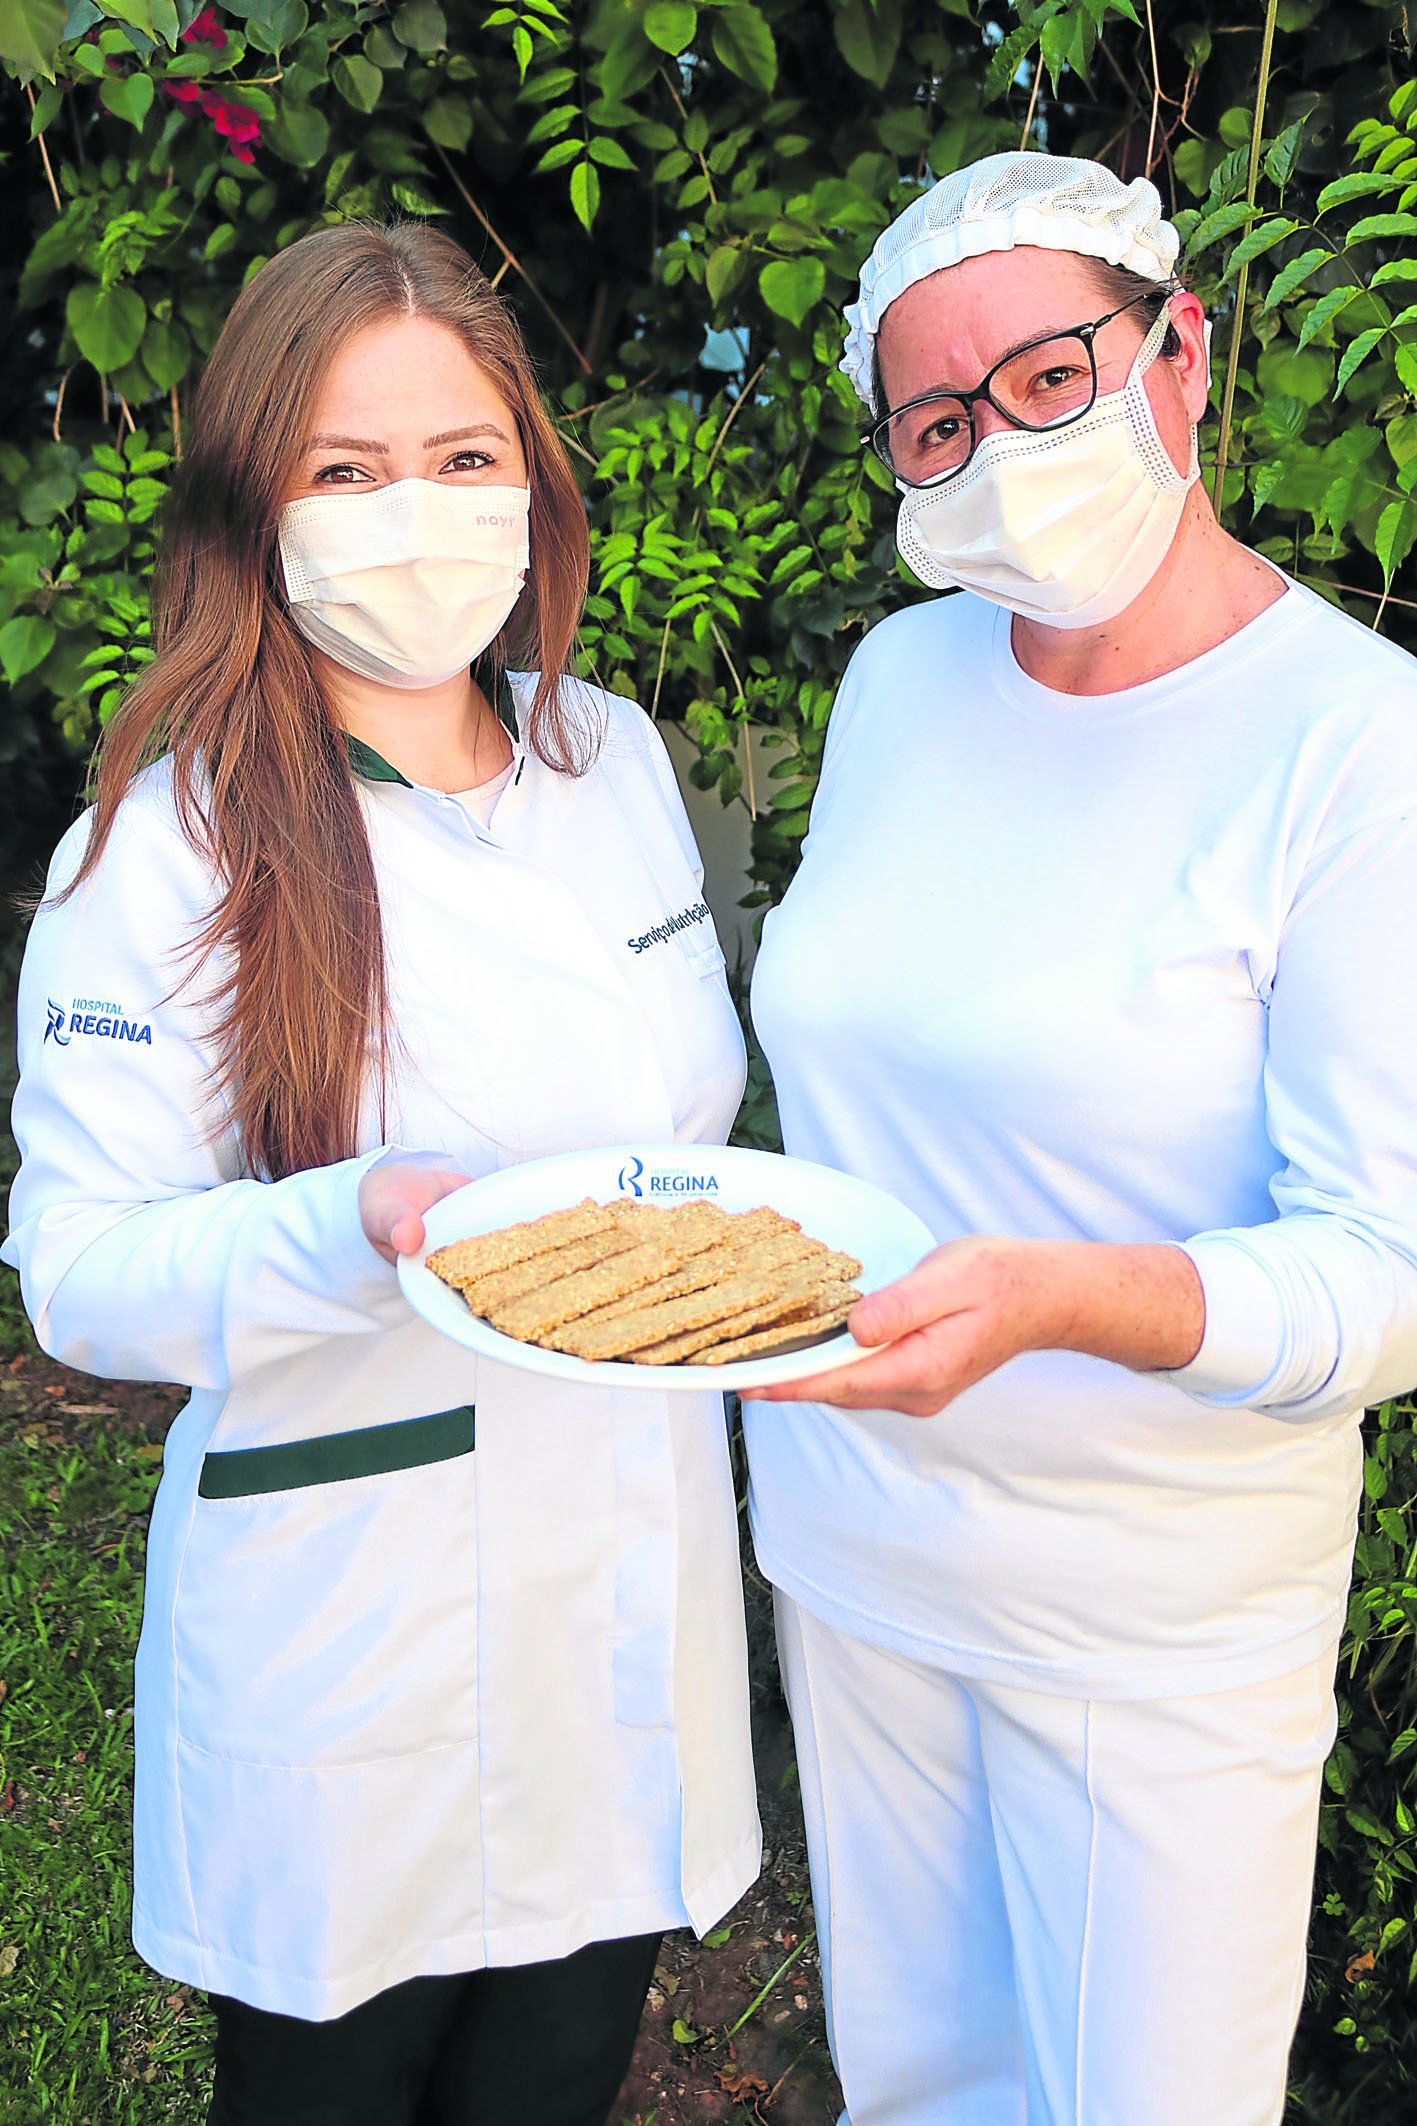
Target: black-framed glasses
(1046,383)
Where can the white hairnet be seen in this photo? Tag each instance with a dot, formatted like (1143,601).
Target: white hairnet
(1058,202)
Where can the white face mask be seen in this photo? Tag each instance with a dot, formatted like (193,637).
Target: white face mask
(406,584)
(1066,526)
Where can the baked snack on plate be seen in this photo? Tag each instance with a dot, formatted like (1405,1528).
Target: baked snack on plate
(667,1266)
(607,1282)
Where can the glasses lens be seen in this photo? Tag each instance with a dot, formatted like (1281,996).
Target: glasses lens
(923,441)
(1052,382)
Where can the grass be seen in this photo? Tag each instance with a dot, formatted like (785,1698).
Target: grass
(88,2036)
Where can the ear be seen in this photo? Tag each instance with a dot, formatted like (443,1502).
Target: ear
(1190,363)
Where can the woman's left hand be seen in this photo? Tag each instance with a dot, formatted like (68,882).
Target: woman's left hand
(974,1304)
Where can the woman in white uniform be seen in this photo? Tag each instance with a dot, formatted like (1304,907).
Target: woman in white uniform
(441,1699)
(1100,957)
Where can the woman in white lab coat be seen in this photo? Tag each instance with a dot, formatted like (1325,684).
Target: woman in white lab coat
(441,1707)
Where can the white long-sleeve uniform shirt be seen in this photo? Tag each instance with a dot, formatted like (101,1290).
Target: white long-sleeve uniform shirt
(1138,966)
(442,1664)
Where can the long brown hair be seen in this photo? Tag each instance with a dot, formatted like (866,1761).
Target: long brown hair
(261,777)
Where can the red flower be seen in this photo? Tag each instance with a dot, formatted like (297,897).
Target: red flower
(205,29)
(233,121)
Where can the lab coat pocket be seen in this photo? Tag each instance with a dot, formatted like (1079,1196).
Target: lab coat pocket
(326,1610)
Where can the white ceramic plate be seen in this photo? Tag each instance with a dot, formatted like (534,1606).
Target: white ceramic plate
(847,1214)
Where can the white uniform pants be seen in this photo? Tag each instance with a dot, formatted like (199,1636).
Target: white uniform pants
(1043,1911)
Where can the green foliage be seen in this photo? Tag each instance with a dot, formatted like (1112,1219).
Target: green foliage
(677,195)
(85,2030)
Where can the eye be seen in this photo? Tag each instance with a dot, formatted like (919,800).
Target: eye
(340,476)
(1056,378)
(943,429)
(467,461)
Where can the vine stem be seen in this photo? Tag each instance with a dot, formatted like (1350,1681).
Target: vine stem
(659,675)
(510,256)
(1155,87)
(59,401)
(1032,103)
(758,1999)
(1242,285)
(44,158)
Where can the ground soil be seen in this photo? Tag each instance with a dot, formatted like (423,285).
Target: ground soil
(688,2069)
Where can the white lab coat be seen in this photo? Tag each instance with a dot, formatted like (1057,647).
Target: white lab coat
(404,1704)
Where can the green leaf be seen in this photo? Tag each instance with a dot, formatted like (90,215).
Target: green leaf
(683,2033)
(1258,241)
(1357,185)
(383,50)
(1376,225)
(670,24)
(448,121)
(1283,416)
(274,27)
(551,124)
(46,106)
(358,80)
(1397,529)
(1283,153)
(1007,59)
(414,199)
(299,134)
(25,642)
(166,353)
(719,1938)
(30,34)
(128,96)
(107,323)
(743,41)
(421,26)
(609,154)
(790,286)
(1395,269)
(1212,227)
(722,264)
(558,156)
(1324,311)
(585,193)
(1355,354)
(867,35)
(1294,275)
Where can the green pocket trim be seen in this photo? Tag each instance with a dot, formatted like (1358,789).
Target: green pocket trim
(373,1450)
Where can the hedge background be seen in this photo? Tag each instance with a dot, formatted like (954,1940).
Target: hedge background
(676,195)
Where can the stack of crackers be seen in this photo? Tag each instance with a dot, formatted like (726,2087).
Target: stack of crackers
(627,1280)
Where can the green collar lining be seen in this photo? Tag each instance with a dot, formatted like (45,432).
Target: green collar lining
(372,767)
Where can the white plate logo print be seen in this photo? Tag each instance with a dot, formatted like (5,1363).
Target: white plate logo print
(635,1179)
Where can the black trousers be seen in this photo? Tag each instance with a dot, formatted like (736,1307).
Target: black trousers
(529,2045)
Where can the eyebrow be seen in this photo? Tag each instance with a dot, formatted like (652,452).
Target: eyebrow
(949,391)
(381,450)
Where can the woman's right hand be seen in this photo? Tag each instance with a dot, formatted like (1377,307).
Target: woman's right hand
(394,1194)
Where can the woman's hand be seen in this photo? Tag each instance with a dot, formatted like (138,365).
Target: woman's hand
(394,1194)
(974,1304)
